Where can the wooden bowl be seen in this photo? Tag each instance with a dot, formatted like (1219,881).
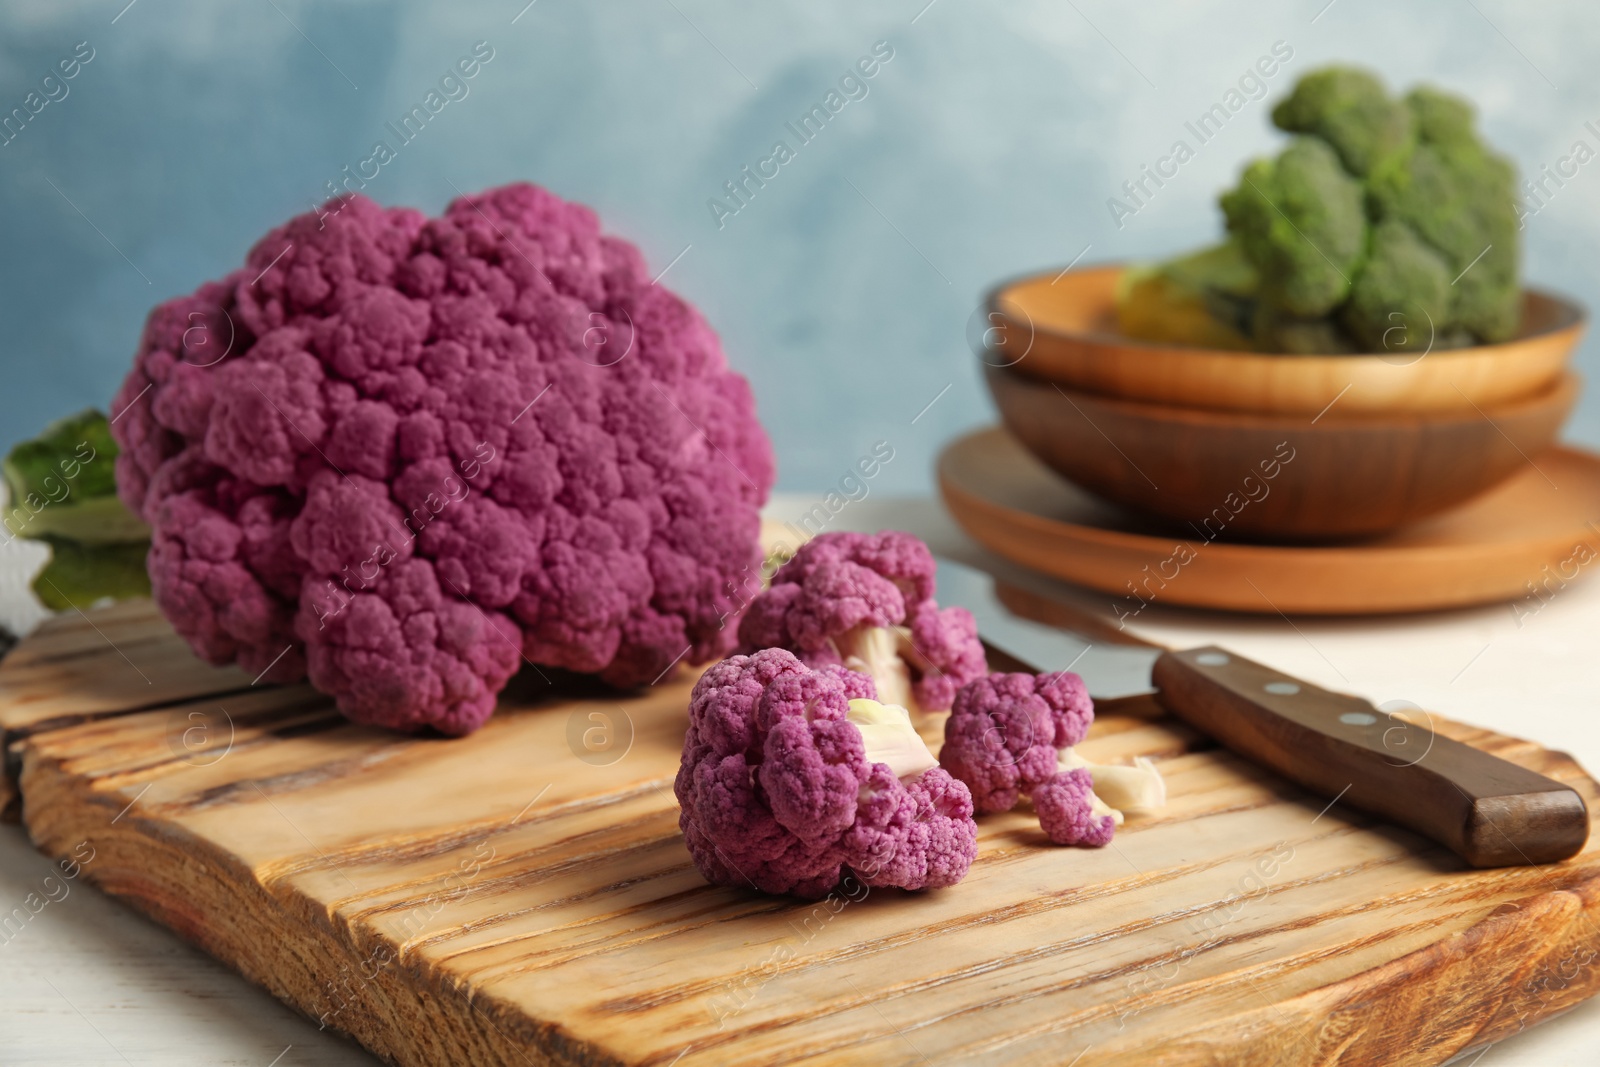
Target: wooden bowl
(1063,328)
(1283,477)
(1526,541)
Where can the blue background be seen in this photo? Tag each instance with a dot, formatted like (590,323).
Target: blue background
(988,146)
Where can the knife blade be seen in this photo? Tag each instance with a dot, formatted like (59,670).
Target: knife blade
(1489,811)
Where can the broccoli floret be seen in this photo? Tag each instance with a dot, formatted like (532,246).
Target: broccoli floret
(1349,110)
(1300,220)
(1386,224)
(1461,199)
(1274,330)
(1401,299)
(1442,119)
(1224,270)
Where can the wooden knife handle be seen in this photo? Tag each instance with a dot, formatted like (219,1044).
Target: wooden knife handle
(1490,812)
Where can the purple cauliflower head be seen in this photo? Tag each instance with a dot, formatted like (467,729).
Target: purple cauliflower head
(865,601)
(401,454)
(792,775)
(1011,735)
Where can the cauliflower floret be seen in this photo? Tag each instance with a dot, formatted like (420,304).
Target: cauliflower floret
(865,601)
(1013,734)
(792,776)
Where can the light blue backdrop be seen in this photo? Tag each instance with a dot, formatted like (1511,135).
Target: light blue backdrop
(986,146)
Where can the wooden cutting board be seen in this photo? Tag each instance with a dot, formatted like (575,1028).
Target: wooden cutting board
(523,896)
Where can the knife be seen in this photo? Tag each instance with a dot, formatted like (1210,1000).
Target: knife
(1489,811)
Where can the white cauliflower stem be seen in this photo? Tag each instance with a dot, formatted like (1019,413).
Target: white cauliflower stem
(1119,790)
(884,654)
(890,738)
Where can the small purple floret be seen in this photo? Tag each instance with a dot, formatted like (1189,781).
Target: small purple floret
(1002,739)
(777,794)
(866,601)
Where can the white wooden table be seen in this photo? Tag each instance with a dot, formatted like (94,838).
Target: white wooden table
(88,982)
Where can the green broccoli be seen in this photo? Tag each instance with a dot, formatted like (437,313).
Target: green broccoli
(1385,225)
(1460,198)
(1351,111)
(1402,296)
(1299,218)
(63,492)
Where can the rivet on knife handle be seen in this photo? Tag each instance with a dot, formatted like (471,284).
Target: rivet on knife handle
(1490,812)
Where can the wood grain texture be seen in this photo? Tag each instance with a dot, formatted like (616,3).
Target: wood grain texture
(496,899)
(135,664)
(1062,328)
(1339,477)
(1529,536)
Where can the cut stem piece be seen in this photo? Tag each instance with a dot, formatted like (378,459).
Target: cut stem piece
(1120,790)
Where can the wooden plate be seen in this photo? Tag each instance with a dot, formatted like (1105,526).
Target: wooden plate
(1062,327)
(1540,526)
